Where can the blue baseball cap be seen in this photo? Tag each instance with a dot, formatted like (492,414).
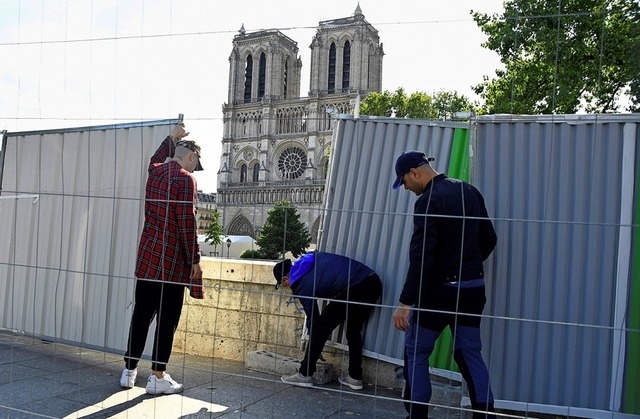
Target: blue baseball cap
(407,161)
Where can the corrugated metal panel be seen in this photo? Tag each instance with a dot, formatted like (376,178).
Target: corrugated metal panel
(368,221)
(557,282)
(71,207)
(555,188)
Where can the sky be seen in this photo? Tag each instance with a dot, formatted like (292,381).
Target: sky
(73,63)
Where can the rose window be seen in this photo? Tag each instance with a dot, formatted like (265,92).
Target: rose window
(292,163)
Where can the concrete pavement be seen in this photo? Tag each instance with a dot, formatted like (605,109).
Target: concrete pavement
(52,380)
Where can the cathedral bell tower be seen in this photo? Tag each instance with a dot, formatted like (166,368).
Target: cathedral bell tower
(346,57)
(263,66)
(276,144)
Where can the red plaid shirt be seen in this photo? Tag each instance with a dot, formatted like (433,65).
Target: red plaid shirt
(169,242)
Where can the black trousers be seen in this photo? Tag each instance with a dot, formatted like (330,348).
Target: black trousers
(154,299)
(336,312)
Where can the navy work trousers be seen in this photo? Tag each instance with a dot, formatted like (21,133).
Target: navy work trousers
(420,340)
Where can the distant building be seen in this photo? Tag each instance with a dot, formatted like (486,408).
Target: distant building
(206,205)
(275,143)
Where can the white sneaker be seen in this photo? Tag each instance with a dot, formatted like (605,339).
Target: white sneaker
(350,382)
(128,378)
(164,385)
(298,379)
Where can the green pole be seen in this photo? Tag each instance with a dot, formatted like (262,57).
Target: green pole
(631,398)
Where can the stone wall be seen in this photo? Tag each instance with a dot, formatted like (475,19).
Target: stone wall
(241,310)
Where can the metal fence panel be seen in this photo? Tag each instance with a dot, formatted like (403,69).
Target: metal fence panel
(555,187)
(71,207)
(561,196)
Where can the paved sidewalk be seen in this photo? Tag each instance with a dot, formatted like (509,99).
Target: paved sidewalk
(53,380)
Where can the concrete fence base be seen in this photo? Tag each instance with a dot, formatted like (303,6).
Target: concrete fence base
(272,363)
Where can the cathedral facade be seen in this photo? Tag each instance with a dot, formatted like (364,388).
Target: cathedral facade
(276,144)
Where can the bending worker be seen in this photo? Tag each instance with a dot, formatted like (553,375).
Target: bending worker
(351,286)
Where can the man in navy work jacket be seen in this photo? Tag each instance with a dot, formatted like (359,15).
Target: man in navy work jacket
(352,287)
(452,236)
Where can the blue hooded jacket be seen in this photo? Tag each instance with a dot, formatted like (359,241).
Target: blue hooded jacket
(319,275)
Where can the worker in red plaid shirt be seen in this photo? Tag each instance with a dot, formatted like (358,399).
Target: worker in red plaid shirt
(168,258)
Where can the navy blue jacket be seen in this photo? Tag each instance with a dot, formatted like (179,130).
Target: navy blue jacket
(330,276)
(446,247)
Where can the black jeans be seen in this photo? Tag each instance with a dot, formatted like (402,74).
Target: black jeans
(336,312)
(161,299)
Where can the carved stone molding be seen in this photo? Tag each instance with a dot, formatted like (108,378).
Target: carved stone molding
(302,195)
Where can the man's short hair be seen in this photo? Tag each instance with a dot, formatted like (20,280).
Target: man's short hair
(193,146)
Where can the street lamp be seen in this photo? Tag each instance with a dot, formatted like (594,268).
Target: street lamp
(228,247)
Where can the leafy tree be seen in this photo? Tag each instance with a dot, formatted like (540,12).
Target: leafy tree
(441,105)
(283,232)
(377,104)
(560,57)
(448,103)
(213,233)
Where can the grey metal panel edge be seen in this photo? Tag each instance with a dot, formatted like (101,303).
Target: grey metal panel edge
(125,125)
(568,119)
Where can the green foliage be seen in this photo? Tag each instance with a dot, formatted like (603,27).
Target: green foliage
(214,231)
(283,232)
(252,254)
(441,105)
(377,104)
(560,57)
(448,103)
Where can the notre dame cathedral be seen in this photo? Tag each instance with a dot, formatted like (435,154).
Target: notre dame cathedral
(275,143)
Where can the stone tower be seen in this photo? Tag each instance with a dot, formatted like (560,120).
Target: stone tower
(276,144)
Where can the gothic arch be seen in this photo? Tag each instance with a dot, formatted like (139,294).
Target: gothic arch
(315,227)
(291,120)
(285,144)
(248,78)
(335,39)
(243,173)
(324,149)
(246,155)
(323,166)
(260,49)
(343,107)
(240,226)
(246,53)
(287,67)
(346,66)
